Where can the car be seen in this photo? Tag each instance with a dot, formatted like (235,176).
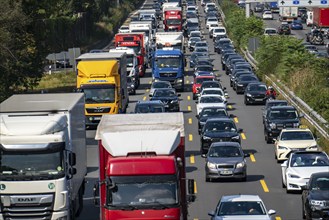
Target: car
(214,91)
(192,41)
(205,69)
(217,31)
(204,2)
(284,28)
(278,118)
(246,207)
(220,43)
(311,49)
(315,196)
(191,14)
(192,8)
(124,29)
(271,103)
(131,86)
(201,44)
(296,25)
(218,130)
(203,61)
(238,73)
(225,160)
(63,63)
(210,6)
(267,15)
(225,57)
(259,7)
(242,82)
(211,20)
(201,49)
(159,85)
(197,84)
(196,55)
(211,84)
(270,31)
(321,54)
(155,106)
(169,97)
(192,24)
(293,139)
(196,34)
(230,62)
(239,66)
(299,167)
(255,93)
(212,26)
(211,112)
(210,100)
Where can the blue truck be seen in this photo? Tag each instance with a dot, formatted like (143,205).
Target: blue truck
(168,65)
(273,6)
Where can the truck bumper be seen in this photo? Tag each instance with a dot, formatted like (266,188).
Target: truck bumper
(60,215)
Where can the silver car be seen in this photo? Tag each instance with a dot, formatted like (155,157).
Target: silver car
(159,85)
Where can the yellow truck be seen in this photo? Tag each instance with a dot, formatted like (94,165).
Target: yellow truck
(102,77)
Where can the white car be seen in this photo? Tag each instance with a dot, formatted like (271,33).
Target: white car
(213,91)
(238,207)
(209,5)
(201,44)
(124,29)
(292,139)
(297,170)
(270,31)
(211,20)
(212,26)
(192,8)
(267,15)
(210,101)
(196,34)
(218,31)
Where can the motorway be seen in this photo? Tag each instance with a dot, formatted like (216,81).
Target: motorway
(264,173)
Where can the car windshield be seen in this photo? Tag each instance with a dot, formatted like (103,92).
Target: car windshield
(220,126)
(219,30)
(159,85)
(164,93)
(224,151)
(296,135)
(212,84)
(201,44)
(168,62)
(149,108)
(248,78)
(260,88)
(192,24)
(195,34)
(213,19)
(195,39)
(212,91)
(241,208)
(271,104)
(309,160)
(201,80)
(271,31)
(201,49)
(203,62)
(320,183)
(205,68)
(283,114)
(211,99)
(213,112)
(99,95)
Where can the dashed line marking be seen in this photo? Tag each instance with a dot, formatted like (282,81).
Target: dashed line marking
(195,187)
(189,108)
(262,182)
(252,158)
(144,98)
(236,120)
(150,82)
(188,97)
(192,160)
(147,90)
(190,121)
(229,107)
(190,137)
(277,218)
(243,136)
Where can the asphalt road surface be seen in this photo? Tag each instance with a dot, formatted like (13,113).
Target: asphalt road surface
(264,173)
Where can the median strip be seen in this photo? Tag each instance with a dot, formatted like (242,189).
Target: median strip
(262,182)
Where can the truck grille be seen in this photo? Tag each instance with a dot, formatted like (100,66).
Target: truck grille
(168,74)
(27,207)
(98,110)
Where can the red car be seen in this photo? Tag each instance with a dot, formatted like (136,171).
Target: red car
(197,83)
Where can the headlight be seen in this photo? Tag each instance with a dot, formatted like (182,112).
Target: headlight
(132,86)
(235,137)
(272,125)
(315,147)
(296,125)
(249,95)
(294,176)
(179,80)
(240,165)
(206,138)
(282,148)
(317,202)
(239,84)
(211,165)
(174,101)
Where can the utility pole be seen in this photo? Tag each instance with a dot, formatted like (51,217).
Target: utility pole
(248,10)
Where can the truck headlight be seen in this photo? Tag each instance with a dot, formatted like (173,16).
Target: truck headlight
(206,138)
(240,165)
(317,202)
(211,165)
(282,148)
(249,95)
(272,125)
(294,176)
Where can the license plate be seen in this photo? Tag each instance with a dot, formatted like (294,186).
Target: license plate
(166,106)
(259,100)
(225,172)
(97,118)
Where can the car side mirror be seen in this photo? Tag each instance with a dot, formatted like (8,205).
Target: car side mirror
(247,155)
(224,88)
(232,116)
(212,213)
(197,116)
(284,164)
(240,130)
(204,155)
(196,102)
(150,95)
(271,212)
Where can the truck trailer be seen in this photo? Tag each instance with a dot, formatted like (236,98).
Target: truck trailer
(43,156)
(321,17)
(143,176)
(169,39)
(102,77)
(288,14)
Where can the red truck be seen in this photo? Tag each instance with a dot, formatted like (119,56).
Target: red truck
(135,41)
(142,167)
(172,19)
(321,17)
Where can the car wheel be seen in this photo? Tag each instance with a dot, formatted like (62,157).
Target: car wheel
(208,179)
(303,210)
(246,101)
(194,96)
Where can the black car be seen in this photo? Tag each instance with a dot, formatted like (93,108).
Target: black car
(218,130)
(169,97)
(204,62)
(237,66)
(236,74)
(226,47)
(220,44)
(271,103)
(191,14)
(278,118)
(255,93)
(195,55)
(231,62)
(259,7)
(284,29)
(242,82)
(225,57)
(315,197)
(211,112)
(131,86)
(149,107)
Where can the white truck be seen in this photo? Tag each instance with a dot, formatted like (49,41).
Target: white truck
(288,14)
(170,39)
(43,156)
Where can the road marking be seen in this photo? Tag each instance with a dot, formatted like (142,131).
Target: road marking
(144,98)
(190,121)
(277,218)
(243,136)
(252,158)
(150,82)
(147,90)
(190,137)
(188,97)
(195,188)
(195,219)
(236,120)
(192,158)
(262,182)
(186,69)
(187,82)
(229,106)
(189,108)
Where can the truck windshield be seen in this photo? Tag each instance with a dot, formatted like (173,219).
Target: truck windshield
(31,165)
(173,22)
(169,62)
(99,95)
(144,191)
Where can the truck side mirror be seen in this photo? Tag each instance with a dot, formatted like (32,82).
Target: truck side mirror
(96,193)
(72,159)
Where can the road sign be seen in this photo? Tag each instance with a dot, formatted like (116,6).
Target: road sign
(303,3)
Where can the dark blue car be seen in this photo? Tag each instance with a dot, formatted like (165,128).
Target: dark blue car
(296,25)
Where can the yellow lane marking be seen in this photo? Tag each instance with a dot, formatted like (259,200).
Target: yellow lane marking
(243,136)
(252,158)
(147,90)
(195,219)
(188,97)
(192,160)
(236,120)
(195,188)
(262,182)
(277,218)
(186,69)
(150,82)
(190,137)
(189,108)
(229,106)
(190,121)
(144,98)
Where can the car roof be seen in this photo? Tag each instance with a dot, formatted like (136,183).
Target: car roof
(220,119)
(193,20)
(240,198)
(307,152)
(256,83)
(149,102)
(295,129)
(226,144)
(288,107)
(206,76)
